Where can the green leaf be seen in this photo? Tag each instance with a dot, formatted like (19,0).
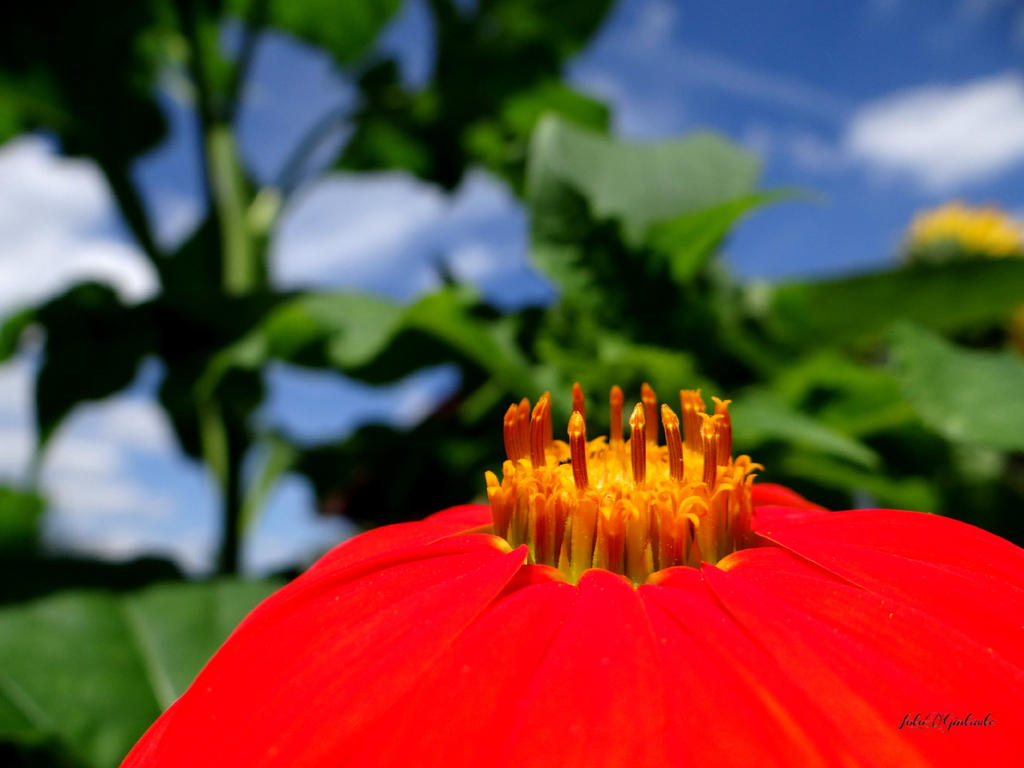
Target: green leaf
(378,339)
(758,418)
(11,330)
(20,515)
(943,297)
(635,184)
(95,90)
(501,142)
(345,29)
(849,396)
(964,395)
(914,493)
(94,344)
(92,670)
(495,73)
(689,240)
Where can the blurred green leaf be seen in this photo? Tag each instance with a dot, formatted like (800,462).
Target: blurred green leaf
(501,142)
(378,339)
(345,28)
(493,77)
(689,240)
(943,297)
(634,184)
(11,330)
(845,394)
(965,395)
(94,344)
(95,90)
(884,490)
(758,418)
(92,670)
(20,514)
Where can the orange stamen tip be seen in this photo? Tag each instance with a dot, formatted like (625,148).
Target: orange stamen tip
(673,442)
(616,399)
(579,504)
(578,400)
(578,449)
(538,431)
(638,444)
(650,401)
(511,433)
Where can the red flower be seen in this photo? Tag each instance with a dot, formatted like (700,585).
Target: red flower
(861,638)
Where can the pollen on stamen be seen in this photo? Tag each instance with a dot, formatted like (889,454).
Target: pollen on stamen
(673,441)
(578,449)
(638,444)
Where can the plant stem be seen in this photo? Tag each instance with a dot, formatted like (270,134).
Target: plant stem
(241,266)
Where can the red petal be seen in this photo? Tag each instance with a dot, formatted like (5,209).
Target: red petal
(458,712)
(597,698)
(772,495)
(867,661)
(327,656)
(390,538)
(732,704)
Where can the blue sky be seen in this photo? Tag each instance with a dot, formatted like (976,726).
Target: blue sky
(880,108)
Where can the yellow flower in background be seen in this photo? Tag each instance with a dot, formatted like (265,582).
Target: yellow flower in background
(981,230)
(958,231)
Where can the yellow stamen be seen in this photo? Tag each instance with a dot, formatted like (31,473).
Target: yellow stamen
(673,442)
(650,401)
(725,434)
(692,406)
(538,431)
(615,399)
(638,444)
(511,433)
(578,401)
(584,504)
(578,447)
(709,438)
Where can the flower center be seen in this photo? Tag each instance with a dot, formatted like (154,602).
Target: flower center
(629,506)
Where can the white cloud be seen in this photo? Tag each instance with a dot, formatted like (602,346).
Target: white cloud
(943,136)
(129,422)
(90,469)
(388,232)
(641,67)
(58,226)
(364,231)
